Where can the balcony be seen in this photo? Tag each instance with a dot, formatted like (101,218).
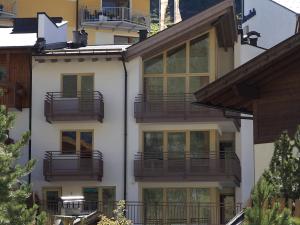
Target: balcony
(173,108)
(149,213)
(13,95)
(73,167)
(116,18)
(7,10)
(210,166)
(75,107)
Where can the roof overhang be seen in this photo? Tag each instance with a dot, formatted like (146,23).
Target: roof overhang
(237,90)
(220,16)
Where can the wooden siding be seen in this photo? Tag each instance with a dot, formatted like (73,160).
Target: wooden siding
(16,86)
(278,108)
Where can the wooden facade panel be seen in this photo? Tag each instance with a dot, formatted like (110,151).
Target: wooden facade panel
(278,108)
(21,73)
(16,83)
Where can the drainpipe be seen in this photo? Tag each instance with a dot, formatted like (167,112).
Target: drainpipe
(77,15)
(30,114)
(125,125)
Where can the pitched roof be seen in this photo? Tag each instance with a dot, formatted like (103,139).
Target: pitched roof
(221,16)
(237,89)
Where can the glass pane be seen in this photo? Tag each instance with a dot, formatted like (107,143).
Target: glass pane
(153,195)
(199,143)
(153,85)
(3,73)
(176,60)
(109,195)
(176,199)
(69,86)
(176,85)
(197,83)
(199,51)
(87,84)
(115,3)
(90,199)
(52,198)
(200,195)
(86,142)
(153,198)
(108,199)
(154,65)
(153,144)
(176,144)
(201,212)
(68,145)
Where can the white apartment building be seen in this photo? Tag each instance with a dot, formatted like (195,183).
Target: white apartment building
(99,111)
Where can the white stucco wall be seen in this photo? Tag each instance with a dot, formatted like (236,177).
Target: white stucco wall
(274,22)
(262,155)
(247,159)
(108,136)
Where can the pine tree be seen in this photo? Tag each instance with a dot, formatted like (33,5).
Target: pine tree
(283,166)
(265,210)
(13,192)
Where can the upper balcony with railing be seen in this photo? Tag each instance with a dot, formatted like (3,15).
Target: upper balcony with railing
(79,106)
(183,166)
(173,108)
(123,18)
(7,9)
(83,166)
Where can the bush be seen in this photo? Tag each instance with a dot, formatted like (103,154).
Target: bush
(119,216)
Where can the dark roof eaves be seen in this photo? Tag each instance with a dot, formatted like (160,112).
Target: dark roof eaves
(248,69)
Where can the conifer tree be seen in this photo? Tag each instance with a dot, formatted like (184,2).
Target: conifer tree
(13,191)
(283,166)
(265,210)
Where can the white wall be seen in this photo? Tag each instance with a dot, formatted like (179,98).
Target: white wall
(263,154)
(274,22)
(108,136)
(247,159)
(50,31)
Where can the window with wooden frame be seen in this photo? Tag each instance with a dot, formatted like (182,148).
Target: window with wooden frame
(181,204)
(77,141)
(72,84)
(183,69)
(176,143)
(106,196)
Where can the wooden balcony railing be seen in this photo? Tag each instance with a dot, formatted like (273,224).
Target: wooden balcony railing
(82,106)
(152,213)
(181,166)
(82,166)
(13,95)
(173,108)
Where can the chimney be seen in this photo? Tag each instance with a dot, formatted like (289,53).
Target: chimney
(80,38)
(143,35)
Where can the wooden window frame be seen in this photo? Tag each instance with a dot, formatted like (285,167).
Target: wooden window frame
(212,63)
(213,139)
(79,76)
(77,138)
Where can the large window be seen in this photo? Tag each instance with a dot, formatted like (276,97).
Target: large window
(176,143)
(178,205)
(74,84)
(183,69)
(73,142)
(99,197)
